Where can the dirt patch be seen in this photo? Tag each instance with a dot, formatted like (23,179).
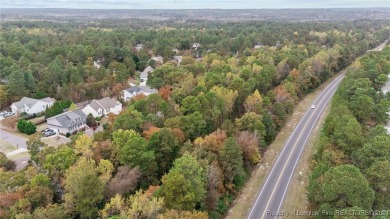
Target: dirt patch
(243,203)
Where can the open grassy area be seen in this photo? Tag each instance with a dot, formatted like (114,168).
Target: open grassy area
(55,141)
(20,155)
(6,147)
(247,197)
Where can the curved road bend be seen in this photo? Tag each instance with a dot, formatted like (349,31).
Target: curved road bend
(270,199)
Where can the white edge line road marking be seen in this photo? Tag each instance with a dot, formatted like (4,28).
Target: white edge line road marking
(272,170)
(304,143)
(288,158)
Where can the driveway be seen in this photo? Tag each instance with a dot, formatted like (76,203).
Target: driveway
(13,139)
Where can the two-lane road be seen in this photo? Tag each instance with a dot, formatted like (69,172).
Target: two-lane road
(270,199)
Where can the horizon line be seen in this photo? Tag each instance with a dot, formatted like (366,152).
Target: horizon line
(384,7)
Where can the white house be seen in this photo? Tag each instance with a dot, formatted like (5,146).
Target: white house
(138,47)
(144,75)
(131,92)
(158,59)
(196,46)
(30,105)
(102,107)
(177,59)
(70,121)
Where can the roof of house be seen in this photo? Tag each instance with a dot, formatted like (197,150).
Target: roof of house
(138,47)
(105,103)
(29,102)
(148,69)
(158,59)
(143,89)
(67,119)
(134,89)
(147,89)
(177,58)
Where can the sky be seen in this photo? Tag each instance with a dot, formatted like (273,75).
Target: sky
(192,4)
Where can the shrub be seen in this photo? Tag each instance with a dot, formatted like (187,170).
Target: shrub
(67,135)
(26,127)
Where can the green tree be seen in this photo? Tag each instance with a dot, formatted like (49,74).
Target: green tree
(34,145)
(91,121)
(184,187)
(252,122)
(26,127)
(348,134)
(83,188)
(16,86)
(378,174)
(231,160)
(337,192)
(133,151)
(166,148)
(40,180)
(375,150)
(51,211)
(190,104)
(130,119)
(60,160)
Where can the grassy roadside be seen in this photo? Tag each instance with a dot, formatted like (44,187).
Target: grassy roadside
(242,204)
(296,198)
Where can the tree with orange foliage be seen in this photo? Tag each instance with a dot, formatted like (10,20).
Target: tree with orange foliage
(249,144)
(117,89)
(148,133)
(213,142)
(165,92)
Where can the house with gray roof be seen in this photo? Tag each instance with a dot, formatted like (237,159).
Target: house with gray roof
(158,59)
(69,121)
(30,105)
(131,92)
(144,75)
(102,107)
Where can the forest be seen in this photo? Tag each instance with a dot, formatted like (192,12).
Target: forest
(353,148)
(187,151)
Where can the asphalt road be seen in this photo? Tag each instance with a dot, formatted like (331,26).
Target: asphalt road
(13,139)
(269,201)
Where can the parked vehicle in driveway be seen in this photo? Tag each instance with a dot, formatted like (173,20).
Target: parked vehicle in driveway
(8,114)
(48,132)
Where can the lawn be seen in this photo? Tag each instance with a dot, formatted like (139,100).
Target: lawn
(20,155)
(6,147)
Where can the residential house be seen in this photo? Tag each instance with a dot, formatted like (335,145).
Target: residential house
(68,122)
(177,59)
(176,51)
(138,47)
(30,105)
(196,46)
(102,107)
(97,64)
(131,92)
(158,59)
(258,46)
(145,73)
